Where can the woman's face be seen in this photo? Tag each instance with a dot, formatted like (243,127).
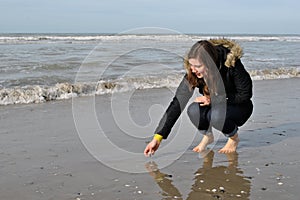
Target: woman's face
(197,67)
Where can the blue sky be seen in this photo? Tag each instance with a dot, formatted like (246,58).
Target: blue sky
(185,16)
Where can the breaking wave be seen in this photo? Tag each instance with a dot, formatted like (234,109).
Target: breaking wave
(15,38)
(39,94)
(279,73)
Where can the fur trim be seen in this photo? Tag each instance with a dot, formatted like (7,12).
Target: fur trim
(236,51)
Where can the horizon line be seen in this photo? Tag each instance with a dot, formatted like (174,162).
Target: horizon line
(153,33)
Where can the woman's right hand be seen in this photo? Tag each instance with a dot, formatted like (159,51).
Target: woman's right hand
(203,100)
(151,147)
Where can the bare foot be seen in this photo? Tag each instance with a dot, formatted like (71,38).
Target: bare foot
(206,140)
(231,145)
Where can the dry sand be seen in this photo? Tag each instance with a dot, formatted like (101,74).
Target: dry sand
(42,157)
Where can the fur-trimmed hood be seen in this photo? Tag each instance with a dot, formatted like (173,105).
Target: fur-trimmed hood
(234,53)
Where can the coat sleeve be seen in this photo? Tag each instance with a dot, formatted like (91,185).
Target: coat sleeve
(177,105)
(243,85)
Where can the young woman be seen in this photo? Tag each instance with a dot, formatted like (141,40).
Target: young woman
(206,64)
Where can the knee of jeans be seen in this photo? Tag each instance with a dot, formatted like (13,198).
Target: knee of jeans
(193,110)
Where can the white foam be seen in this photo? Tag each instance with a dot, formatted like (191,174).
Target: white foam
(164,37)
(39,94)
(279,73)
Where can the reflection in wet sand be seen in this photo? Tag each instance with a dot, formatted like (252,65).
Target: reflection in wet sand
(219,182)
(164,181)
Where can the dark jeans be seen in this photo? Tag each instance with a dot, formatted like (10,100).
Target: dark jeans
(236,115)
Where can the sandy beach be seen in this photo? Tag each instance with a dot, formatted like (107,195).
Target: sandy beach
(42,156)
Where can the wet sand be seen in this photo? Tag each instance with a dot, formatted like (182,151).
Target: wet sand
(42,156)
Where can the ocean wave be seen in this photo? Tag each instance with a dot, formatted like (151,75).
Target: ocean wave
(266,38)
(164,37)
(86,38)
(39,94)
(278,73)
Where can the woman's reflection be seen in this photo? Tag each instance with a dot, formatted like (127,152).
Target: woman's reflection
(219,182)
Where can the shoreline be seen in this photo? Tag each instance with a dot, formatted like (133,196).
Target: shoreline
(33,94)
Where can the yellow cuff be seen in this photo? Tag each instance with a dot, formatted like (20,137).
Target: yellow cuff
(158,137)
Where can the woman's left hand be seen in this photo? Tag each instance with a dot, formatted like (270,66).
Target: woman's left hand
(203,100)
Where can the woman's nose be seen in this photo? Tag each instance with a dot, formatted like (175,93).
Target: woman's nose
(193,69)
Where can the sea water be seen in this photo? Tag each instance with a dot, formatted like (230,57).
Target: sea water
(43,67)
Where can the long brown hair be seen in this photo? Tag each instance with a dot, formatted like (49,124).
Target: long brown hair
(205,52)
